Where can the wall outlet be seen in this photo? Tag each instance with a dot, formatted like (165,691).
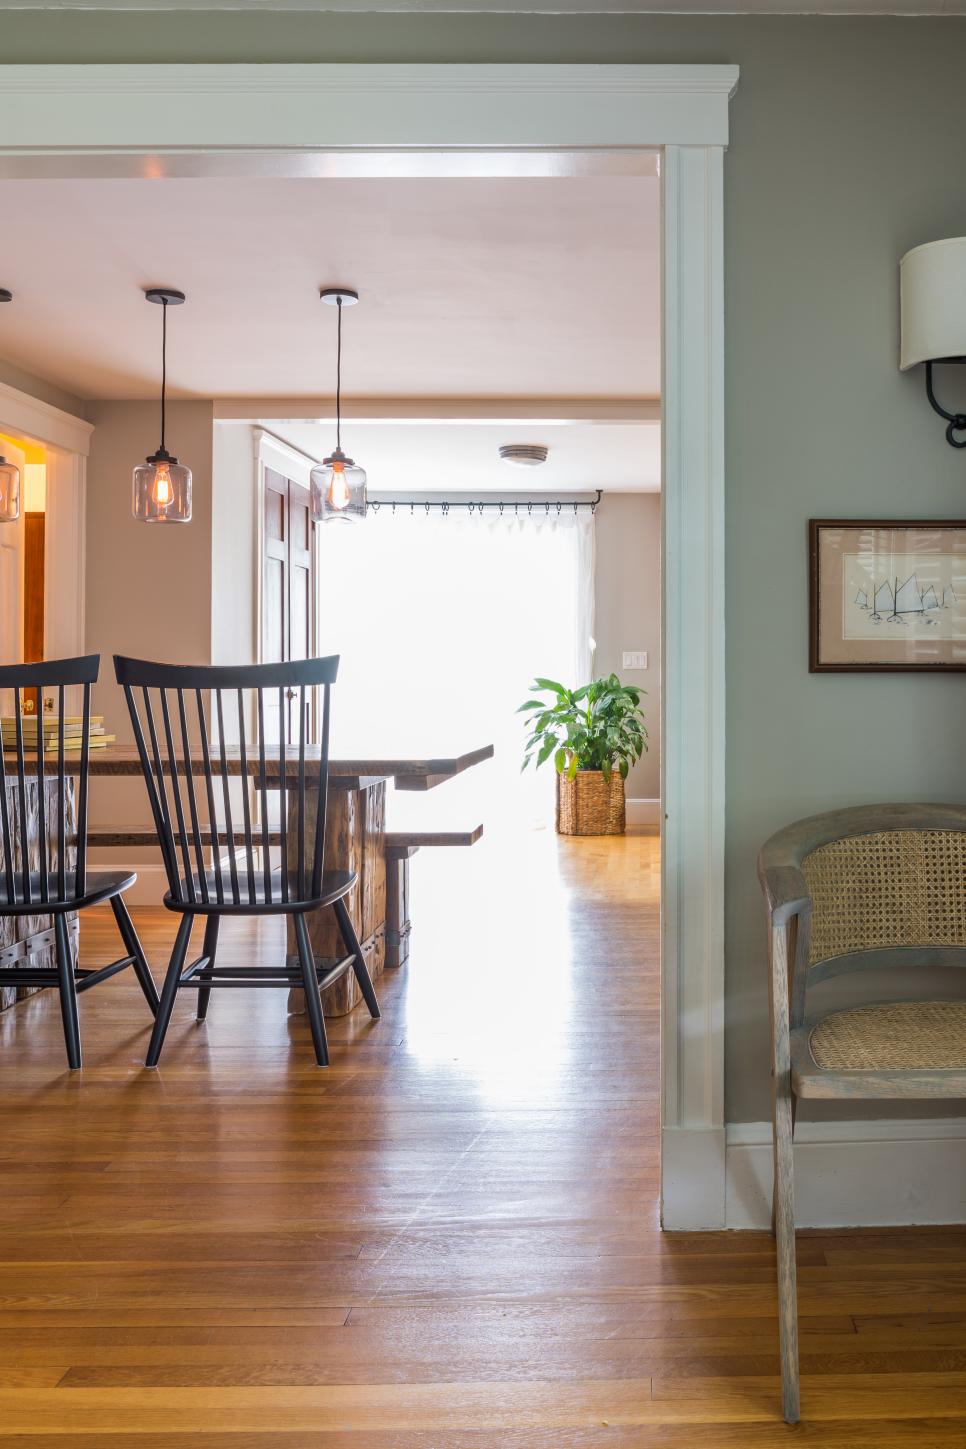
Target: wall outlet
(634,659)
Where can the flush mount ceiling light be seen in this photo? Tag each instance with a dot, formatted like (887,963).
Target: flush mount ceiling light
(338,484)
(9,472)
(524,455)
(162,485)
(932,288)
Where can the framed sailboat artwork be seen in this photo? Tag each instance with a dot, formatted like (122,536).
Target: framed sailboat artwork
(886,595)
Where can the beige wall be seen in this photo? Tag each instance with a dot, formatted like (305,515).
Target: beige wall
(148,585)
(628,612)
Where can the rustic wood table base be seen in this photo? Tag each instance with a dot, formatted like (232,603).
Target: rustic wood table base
(355,833)
(33,936)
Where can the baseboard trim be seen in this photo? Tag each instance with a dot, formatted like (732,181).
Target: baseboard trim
(882,1173)
(692,1179)
(643,812)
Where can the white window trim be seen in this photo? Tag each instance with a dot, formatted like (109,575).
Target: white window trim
(222,119)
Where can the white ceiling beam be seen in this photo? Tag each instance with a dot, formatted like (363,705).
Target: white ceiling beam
(546,411)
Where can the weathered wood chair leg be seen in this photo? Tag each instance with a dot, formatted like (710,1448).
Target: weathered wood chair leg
(68,993)
(169,990)
(209,949)
(783,1213)
(310,984)
(358,959)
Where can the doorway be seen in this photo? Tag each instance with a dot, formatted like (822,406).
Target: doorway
(78,121)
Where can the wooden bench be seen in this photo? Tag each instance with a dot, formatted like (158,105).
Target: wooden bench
(400,847)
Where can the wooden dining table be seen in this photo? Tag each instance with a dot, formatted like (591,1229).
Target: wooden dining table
(356,833)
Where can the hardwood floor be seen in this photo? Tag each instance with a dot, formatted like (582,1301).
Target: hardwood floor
(448,1239)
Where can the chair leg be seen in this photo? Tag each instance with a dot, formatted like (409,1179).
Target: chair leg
(68,992)
(358,960)
(169,990)
(310,984)
(209,949)
(134,948)
(784,1219)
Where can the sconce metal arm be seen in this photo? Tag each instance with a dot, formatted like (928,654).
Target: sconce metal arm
(956,421)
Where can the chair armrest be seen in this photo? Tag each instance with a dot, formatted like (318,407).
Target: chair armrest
(786,892)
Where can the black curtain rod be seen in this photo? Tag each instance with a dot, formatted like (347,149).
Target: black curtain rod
(503,505)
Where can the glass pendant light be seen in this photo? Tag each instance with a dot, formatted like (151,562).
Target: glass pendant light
(9,472)
(162,485)
(338,484)
(9,491)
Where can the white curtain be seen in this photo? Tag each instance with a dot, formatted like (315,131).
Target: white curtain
(442,621)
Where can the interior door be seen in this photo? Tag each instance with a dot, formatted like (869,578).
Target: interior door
(287,591)
(11,581)
(299,592)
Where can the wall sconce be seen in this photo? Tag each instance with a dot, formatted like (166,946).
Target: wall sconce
(932,298)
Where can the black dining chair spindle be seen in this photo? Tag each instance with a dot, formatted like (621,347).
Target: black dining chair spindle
(44,868)
(182,745)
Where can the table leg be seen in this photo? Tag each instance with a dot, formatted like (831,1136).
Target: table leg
(398,924)
(355,831)
(29,940)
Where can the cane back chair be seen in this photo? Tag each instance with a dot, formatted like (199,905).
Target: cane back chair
(182,758)
(44,872)
(873,887)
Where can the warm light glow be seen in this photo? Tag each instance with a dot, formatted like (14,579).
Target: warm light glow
(35,487)
(339,487)
(161,490)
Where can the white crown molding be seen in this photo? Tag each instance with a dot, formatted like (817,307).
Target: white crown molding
(70,110)
(21,413)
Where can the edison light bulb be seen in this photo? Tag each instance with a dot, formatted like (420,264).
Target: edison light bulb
(161,489)
(339,487)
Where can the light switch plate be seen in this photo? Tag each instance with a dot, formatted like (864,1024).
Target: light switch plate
(635,659)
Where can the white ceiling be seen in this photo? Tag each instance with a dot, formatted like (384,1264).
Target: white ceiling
(471,288)
(463,457)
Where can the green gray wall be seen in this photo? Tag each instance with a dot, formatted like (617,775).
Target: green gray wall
(846,149)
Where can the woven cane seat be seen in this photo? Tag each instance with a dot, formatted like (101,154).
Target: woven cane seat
(897,1036)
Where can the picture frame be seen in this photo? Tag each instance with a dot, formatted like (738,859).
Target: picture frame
(887,596)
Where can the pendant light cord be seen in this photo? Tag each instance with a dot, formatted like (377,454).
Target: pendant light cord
(338,382)
(164,365)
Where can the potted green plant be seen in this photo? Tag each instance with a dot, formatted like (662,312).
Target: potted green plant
(594,733)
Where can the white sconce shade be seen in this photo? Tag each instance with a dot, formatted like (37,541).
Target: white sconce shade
(932,292)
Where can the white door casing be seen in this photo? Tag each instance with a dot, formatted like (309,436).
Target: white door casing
(310,120)
(12,577)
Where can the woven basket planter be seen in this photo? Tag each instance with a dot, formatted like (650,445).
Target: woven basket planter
(590,805)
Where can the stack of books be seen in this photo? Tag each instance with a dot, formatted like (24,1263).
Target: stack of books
(73,732)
